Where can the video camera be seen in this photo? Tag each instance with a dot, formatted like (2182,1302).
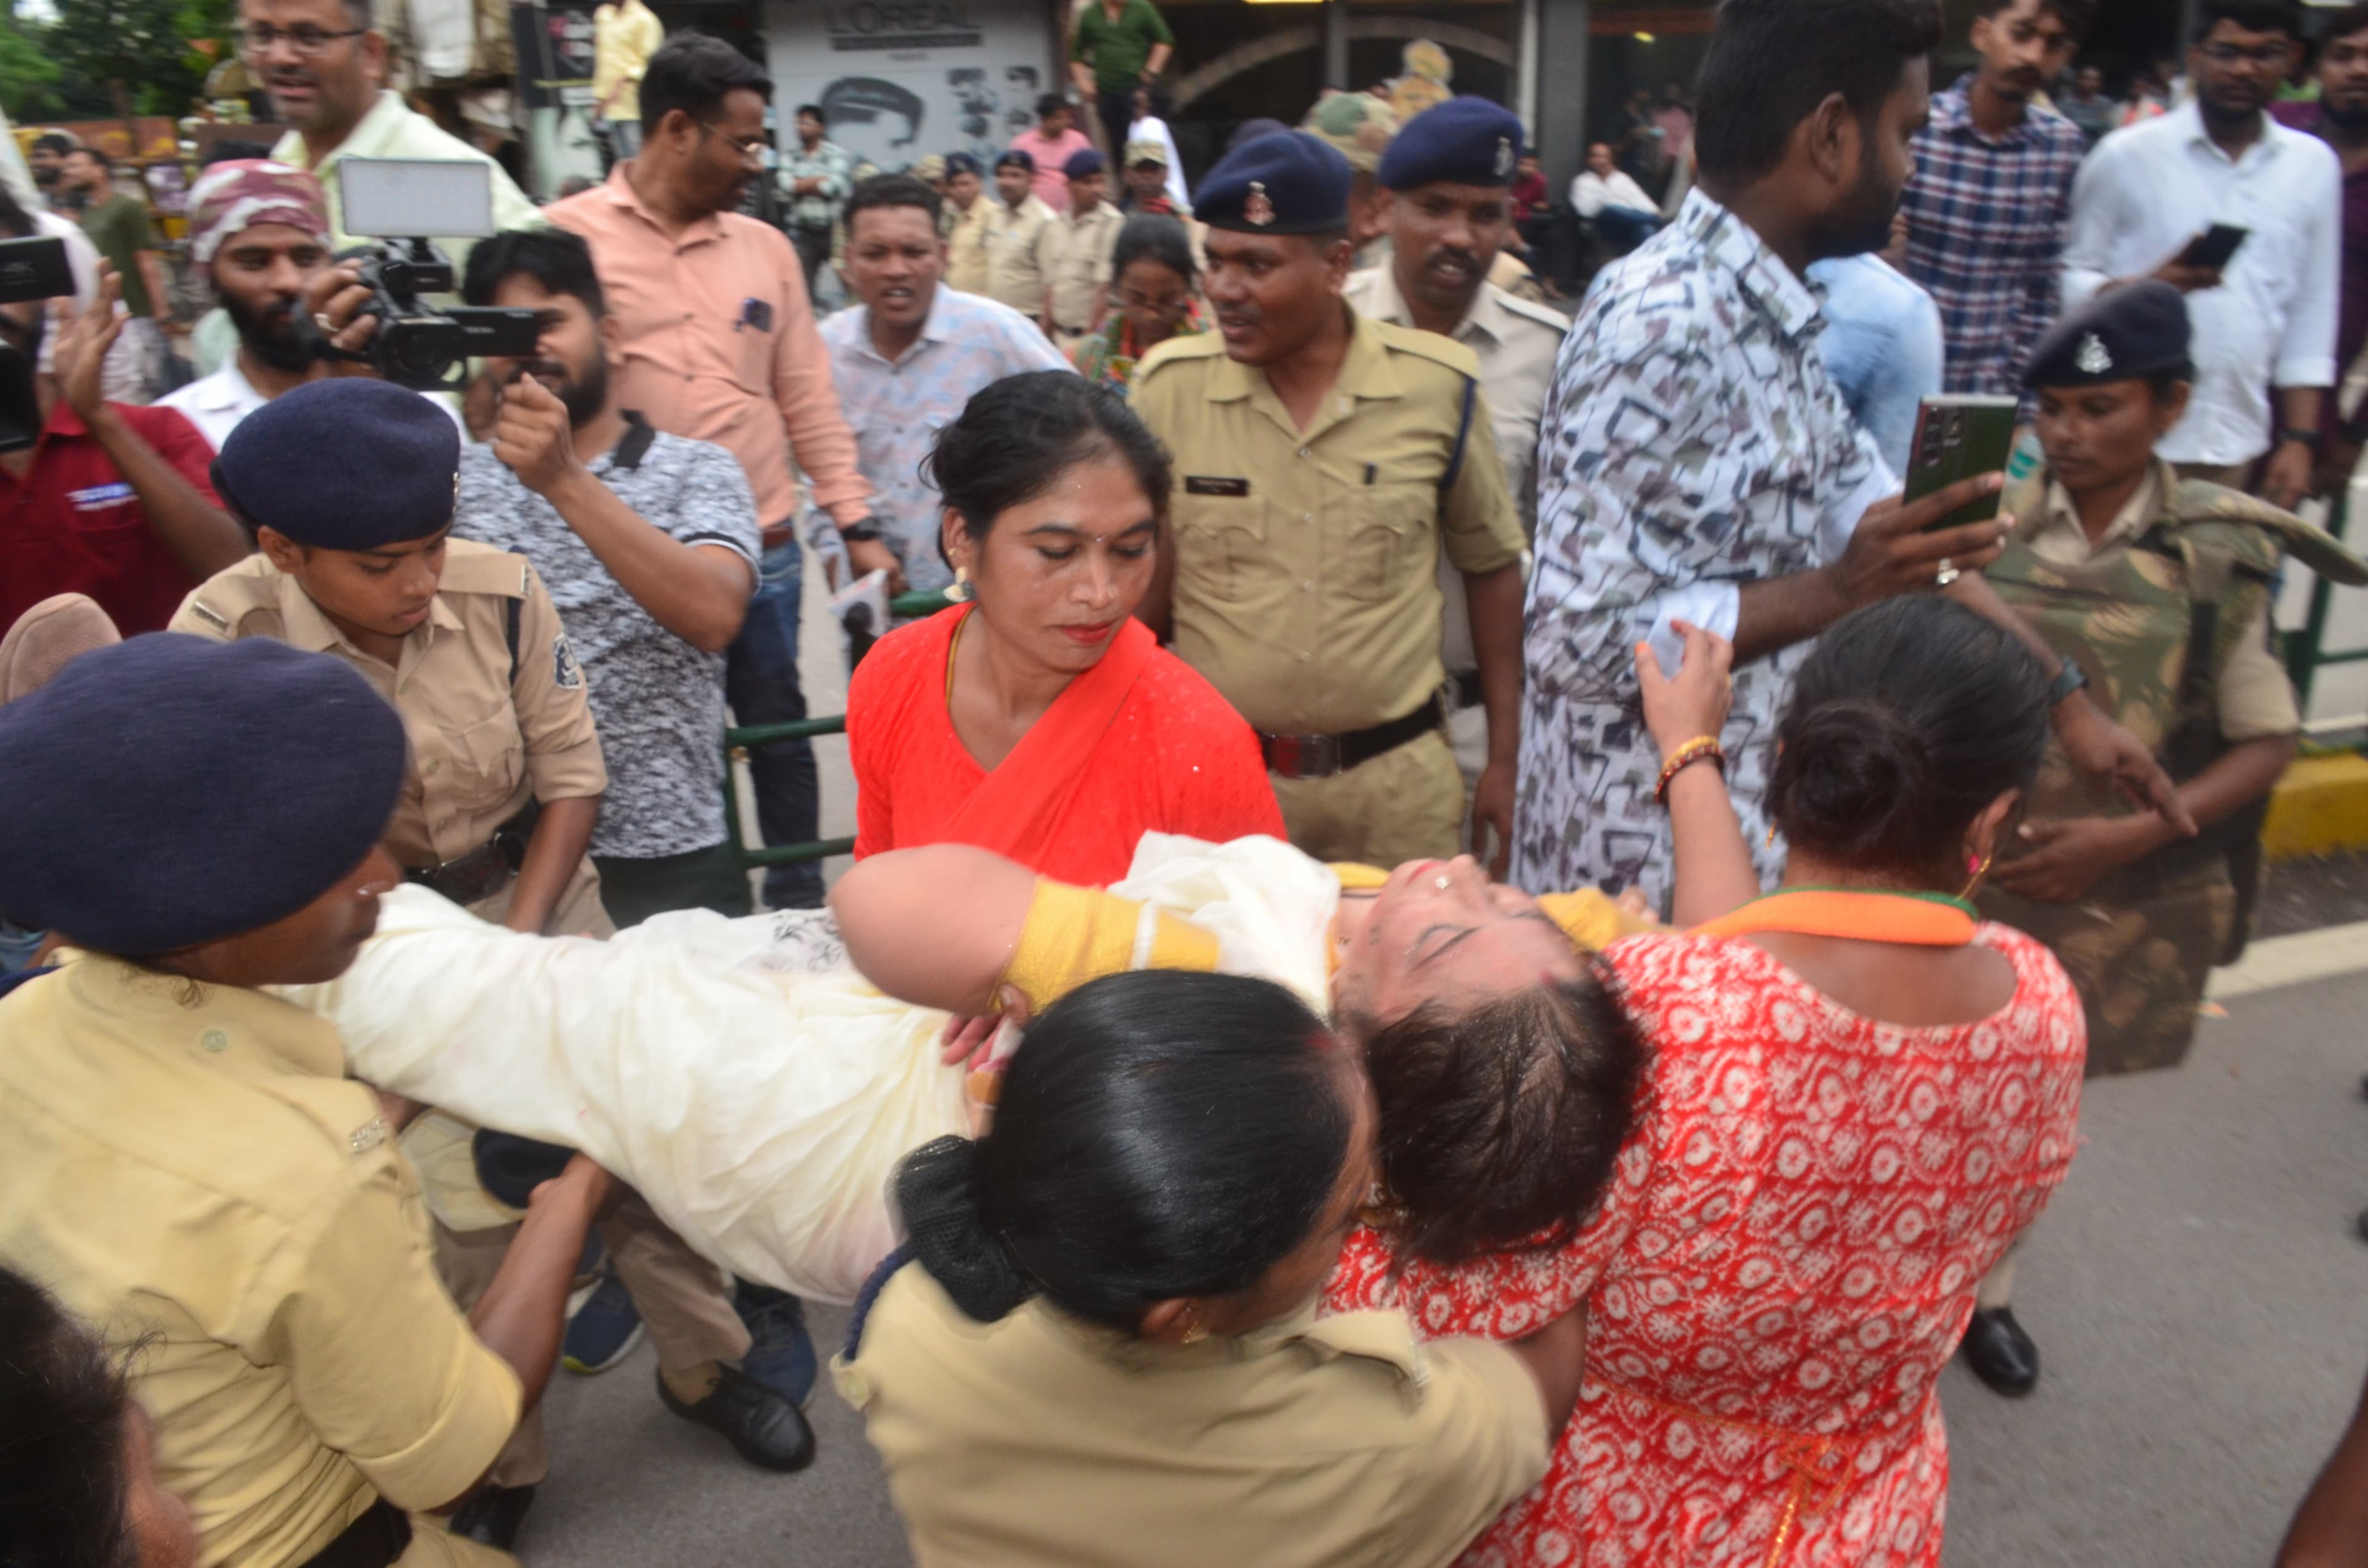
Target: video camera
(400,201)
(33,268)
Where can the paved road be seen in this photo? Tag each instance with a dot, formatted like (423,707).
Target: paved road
(2196,1289)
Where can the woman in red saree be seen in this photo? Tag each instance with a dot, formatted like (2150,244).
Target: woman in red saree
(1043,720)
(1857,1093)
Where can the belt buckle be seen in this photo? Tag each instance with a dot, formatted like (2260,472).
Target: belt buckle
(1307,756)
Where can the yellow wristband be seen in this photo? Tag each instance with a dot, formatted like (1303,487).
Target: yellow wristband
(1074,935)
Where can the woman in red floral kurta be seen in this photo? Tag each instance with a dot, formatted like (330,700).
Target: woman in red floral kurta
(1787,1252)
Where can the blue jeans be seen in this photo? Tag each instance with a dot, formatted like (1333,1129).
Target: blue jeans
(760,681)
(1625,228)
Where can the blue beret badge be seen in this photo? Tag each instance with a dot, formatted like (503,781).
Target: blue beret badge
(1504,156)
(1258,210)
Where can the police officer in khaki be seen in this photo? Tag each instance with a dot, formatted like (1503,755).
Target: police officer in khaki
(1448,178)
(343,482)
(973,216)
(1023,241)
(187,1167)
(1081,274)
(1323,461)
(349,485)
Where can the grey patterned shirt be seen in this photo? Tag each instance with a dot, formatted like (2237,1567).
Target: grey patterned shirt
(657,701)
(1691,442)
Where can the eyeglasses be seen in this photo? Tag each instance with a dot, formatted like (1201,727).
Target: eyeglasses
(309,42)
(1170,305)
(2233,54)
(751,147)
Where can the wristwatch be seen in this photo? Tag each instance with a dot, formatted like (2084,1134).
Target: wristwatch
(2069,679)
(2307,437)
(858,532)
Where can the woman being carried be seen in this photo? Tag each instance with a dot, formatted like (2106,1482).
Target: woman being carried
(1043,720)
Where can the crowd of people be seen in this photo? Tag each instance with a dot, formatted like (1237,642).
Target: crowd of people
(1470,939)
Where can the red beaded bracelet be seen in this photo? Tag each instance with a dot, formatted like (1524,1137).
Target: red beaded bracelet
(1685,757)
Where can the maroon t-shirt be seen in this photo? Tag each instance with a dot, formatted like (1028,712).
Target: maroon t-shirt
(72,525)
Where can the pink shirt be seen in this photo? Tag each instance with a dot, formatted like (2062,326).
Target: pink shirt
(1051,162)
(721,345)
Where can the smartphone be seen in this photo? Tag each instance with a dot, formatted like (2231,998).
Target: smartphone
(1958,436)
(2214,247)
(34,269)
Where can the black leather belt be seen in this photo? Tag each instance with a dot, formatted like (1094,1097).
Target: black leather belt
(1466,685)
(376,1540)
(486,869)
(1322,756)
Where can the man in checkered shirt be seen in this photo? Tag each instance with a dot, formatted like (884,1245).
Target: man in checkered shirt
(1992,193)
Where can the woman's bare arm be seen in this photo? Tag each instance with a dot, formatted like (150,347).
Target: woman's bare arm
(1715,873)
(936,926)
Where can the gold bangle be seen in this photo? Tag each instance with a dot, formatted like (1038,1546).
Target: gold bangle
(1685,757)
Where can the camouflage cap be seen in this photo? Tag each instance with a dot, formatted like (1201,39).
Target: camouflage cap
(931,169)
(231,198)
(1143,149)
(1358,126)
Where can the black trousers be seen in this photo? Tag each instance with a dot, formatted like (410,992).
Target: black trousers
(1117,111)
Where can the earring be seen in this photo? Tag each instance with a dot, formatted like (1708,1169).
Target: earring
(1772,835)
(1977,870)
(962,592)
(1196,1333)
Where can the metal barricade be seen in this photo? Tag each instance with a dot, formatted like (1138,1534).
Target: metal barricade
(2307,650)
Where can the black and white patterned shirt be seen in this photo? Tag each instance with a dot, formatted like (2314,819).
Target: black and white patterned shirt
(658,701)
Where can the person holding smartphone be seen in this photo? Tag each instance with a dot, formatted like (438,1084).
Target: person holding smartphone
(2157,589)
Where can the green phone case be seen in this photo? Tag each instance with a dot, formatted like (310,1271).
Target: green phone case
(1957,437)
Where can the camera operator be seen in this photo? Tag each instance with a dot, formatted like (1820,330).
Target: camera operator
(719,343)
(324,67)
(111,500)
(261,232)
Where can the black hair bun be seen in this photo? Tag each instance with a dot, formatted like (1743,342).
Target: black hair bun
(1853,781)
(937,1194)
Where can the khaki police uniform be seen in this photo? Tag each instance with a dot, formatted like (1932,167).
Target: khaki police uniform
(486,739)
(1023,247)
(1041,1438)
(1081,270)
(491,732)
(1306,584)
(1516,343)
(188,1168)
(966,244)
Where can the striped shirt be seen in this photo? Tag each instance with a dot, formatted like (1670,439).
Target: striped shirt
(1986,222)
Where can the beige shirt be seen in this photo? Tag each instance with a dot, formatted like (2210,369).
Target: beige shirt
(486,737)
(1083,266)
(1042,1439)
(2254,697)
(1306,561)
(190,1170)
(966,244)
(1024,245)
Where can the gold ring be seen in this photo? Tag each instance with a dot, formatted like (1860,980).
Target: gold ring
(1947,575)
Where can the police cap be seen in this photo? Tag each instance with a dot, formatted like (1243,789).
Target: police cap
(1291,184)
(2124,333)
(1084,161)
(171,790)
(1015,159)
(347,463)
(1465,141)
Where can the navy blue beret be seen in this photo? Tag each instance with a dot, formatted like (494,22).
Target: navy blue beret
(1465,141)
(1015,159)
(2129,331)
(1083,161)
(171,790)
(347,463)
(1288,183)
(961,163)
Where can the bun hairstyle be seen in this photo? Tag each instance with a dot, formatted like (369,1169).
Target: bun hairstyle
(1909,718)
(1018,436)
(1498,1126)
(1159,1134)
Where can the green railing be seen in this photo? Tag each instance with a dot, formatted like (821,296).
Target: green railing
(739,738)
(2307,650)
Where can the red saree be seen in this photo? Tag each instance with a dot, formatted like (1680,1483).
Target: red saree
(1138,744)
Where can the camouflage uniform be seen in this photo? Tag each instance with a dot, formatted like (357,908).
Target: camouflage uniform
(2169,618)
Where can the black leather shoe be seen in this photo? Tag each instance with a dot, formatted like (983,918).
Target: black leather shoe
(492,1517)
(767,1427)
(2001,1353)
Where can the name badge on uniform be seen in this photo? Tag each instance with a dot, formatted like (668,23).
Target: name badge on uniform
(1203,484)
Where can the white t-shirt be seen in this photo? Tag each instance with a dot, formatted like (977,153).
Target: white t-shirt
(1592,192)
(216,403)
